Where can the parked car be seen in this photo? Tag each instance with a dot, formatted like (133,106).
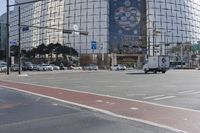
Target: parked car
(27,66)
(44,67)
(35,67)
(3,68)
(15,67)
(118,67)
(91,67)
(72,67)
(55,67)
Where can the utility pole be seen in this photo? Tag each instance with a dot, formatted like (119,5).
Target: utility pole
(8,45)
(181,55)
(154,30)
(19,47)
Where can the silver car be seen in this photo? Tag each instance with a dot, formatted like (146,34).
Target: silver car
(3,68)
(91,67)
(44,67)
(55,67)
(15,67)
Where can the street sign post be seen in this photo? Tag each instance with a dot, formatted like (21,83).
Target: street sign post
(25,28)
(13,42)
(93,45)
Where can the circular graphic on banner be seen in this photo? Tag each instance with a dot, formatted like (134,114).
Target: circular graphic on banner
(127,17)
(164,60)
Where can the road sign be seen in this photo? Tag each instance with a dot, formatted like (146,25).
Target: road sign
(13,42)
(25,28)
(93,45)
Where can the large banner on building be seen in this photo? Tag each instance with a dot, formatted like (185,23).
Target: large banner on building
(127,26)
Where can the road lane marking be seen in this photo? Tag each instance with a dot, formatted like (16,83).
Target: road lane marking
(84,92)
(192,93)
(163,98)
(102,110)
(99,101)
(184,92)
(134,108)
(151,97)
(110,103)
(96,109)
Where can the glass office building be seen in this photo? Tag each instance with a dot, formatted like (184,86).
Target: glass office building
(3,31)
(136,27)
(173,22)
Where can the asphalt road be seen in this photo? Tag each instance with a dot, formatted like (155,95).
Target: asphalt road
(25,113)
(179,88)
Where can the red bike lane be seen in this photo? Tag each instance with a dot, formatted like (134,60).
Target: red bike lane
(176,119)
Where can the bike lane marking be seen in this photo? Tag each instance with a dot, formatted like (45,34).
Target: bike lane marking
(172,118)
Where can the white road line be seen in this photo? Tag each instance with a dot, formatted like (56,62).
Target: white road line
(192,93)
(162,98)
(184,92)
(99,101)
(151,97)
(133,108)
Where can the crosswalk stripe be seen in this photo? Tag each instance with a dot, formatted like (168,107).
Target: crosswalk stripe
(151,97)
(162,98)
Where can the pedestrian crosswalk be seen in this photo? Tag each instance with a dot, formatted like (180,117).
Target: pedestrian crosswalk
(168,96)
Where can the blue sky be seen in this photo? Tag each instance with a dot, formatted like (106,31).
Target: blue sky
(3,6)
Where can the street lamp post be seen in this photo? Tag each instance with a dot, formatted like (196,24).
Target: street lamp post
(154,30)
(8,46)
(166,41)
(19,47)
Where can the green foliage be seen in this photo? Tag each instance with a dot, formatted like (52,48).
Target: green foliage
(51,49)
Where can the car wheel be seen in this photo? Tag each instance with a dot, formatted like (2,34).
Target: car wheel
(163,71)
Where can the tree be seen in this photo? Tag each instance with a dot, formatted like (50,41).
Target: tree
(14,50)
(50,49)
(41,49)
(73,52)
(29,54)
(58,50)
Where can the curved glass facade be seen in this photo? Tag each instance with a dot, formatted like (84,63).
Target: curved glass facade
(123,26)
(173,22)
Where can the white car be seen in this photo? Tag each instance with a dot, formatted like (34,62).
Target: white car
(44,67)
(75,68)
(118,67)
(55,67)
(3,68)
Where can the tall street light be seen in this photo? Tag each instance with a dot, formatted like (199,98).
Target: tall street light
(166,41)
(8,46)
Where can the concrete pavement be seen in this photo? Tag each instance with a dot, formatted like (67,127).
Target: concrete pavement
(176,119)
(25,113)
